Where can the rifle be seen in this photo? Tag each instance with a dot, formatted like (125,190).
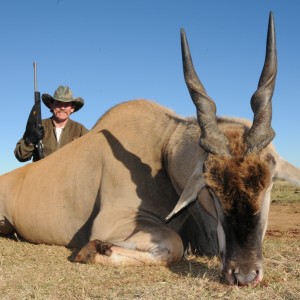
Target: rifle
(35,117)
(37,102)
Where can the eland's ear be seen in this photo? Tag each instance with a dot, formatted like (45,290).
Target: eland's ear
(194,185)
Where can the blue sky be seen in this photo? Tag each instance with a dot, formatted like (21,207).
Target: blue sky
(112,51)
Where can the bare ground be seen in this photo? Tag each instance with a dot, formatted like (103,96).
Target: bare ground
(284,221)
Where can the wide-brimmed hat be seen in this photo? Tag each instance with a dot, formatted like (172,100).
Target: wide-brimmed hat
(63,94)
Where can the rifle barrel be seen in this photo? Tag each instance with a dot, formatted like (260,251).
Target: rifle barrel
(35,80)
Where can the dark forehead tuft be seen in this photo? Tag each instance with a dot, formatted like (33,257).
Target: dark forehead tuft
(238,181)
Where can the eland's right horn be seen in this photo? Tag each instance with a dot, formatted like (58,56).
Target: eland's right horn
(211,139)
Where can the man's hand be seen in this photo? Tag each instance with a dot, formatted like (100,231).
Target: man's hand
(35,136)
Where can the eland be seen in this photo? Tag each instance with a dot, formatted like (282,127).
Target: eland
(144,185)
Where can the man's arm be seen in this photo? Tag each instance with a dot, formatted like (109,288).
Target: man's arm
(23,152)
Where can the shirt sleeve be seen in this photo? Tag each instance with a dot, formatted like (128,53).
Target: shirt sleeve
(23,152)
(83,130)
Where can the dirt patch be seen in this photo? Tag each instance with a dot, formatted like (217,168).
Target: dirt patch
(284,221)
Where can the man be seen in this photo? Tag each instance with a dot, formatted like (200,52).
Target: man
(56,131)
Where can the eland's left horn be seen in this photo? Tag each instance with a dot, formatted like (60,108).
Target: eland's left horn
(261,133)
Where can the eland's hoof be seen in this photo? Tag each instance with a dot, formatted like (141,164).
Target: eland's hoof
(88,252)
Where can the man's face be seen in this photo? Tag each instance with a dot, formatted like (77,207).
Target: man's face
(62,110)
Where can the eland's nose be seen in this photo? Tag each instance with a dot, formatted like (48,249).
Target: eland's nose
(245,278)
(242,278)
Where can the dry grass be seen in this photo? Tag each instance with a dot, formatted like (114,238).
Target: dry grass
(285,193)
(43,272)
(30,271)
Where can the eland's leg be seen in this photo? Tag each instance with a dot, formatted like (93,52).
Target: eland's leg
(161,246)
